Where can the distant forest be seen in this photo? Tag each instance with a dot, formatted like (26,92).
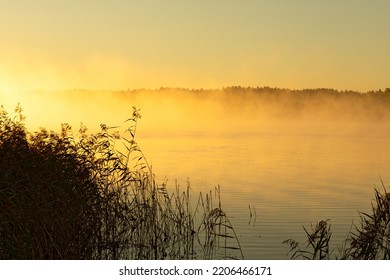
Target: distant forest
(268,90)
(247,102)
(320,103)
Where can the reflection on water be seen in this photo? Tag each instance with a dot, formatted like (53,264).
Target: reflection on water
(290,176)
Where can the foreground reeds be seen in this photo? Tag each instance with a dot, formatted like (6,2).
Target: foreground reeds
(94,196)
(369,240)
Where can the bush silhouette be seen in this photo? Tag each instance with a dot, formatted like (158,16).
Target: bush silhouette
(49,201)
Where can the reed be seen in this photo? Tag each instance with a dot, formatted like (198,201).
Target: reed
(368,240)
(371,238)
(317,246)
(94,196)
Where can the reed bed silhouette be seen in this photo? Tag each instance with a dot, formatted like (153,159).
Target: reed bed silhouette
(94,196)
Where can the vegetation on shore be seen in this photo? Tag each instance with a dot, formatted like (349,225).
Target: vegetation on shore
(94,196)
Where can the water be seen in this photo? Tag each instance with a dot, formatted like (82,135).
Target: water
(292,173)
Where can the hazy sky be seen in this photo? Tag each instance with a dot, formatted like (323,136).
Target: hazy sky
(68,44)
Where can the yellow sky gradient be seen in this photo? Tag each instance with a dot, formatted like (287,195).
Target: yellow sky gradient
(114,45)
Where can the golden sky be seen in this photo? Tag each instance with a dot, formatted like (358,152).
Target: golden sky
(120,44)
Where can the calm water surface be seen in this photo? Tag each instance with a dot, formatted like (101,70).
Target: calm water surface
(291,173)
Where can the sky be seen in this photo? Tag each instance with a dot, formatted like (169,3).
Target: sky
(126,44)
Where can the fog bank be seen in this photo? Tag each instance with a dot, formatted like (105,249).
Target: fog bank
(232,110)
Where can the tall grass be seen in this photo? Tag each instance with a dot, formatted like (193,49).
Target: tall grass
(94,196)
(371,238)
(368,240)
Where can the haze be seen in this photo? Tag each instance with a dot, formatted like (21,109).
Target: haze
(178,112)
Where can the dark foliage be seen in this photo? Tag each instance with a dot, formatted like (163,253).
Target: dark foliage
(50,203)
(80,197)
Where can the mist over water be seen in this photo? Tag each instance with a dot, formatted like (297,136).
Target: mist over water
(176,111)
(294,156)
